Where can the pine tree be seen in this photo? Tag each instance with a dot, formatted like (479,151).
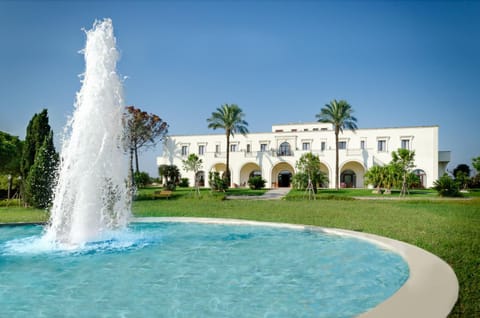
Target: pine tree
(38,130)
(41,178)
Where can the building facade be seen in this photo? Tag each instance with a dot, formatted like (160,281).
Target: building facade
(273,155)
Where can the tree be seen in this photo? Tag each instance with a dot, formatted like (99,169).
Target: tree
(142,179)
(375,176)
(162,172)
(404,159)
(339,114)
(38,130)
(143,130)
(193,163)
(392,175)
(476,164)
(10,154)
(230,118)
(41,178)
(309,164)
(170,175)
(38,177)
(462,168)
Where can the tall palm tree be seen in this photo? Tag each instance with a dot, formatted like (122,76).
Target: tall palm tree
(339,114)
(228,117)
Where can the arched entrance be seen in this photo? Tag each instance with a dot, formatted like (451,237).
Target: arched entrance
(282,175)
(422,177)
(352,175)
(348,179)
(200,178)
(284,179)
(248,170)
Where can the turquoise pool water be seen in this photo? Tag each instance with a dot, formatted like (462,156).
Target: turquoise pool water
(195,270)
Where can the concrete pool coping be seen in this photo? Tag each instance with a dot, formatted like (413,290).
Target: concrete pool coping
(430,291)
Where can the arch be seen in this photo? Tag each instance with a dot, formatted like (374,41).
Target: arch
(352,175)
(219,167)
(326,170)
(247,170)
(422,176)
(285,149)
(282,174)
(200,178)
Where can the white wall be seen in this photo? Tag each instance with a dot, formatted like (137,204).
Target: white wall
(423,140)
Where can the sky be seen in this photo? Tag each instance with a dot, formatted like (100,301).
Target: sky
(398,63)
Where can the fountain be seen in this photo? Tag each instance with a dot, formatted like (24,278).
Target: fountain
(91,197)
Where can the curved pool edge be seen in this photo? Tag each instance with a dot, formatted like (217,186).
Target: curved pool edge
(430,291)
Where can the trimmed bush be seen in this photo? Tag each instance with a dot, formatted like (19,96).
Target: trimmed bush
(183,183)
(256,183)
(216,182)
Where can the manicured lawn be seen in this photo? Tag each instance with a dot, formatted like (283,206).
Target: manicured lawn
(447,228)
(16,214)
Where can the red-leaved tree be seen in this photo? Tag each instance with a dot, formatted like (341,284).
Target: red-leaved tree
(143,130)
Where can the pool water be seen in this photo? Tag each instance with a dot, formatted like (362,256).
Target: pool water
(196,270)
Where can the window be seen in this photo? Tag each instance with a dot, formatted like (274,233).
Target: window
(382,145)
(249,148)
(217,148)
(324,129)
(405,144)
(278,130)
(294,130)
(263,147)
(305,146)
(284,149)
(362,144)
(342,145)
(305,129)
(323,146)
(315,129)
(201,150)
(233,147)
(184,150)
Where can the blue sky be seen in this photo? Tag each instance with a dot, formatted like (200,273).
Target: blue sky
(397,63)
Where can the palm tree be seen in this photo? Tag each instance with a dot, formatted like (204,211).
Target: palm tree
(404,159)
(339,114)
(230,118)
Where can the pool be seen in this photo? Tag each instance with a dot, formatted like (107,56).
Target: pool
(177,269)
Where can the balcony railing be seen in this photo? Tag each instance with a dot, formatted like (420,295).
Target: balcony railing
(284,153)
(354,152)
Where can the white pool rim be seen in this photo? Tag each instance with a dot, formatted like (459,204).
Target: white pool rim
(430,291)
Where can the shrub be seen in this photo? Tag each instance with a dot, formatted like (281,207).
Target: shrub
(475,182)
(256,183)
(216,182)
(446,186)
(141,179)
(172,186)
(183,183)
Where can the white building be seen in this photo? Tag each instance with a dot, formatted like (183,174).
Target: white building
(273,155)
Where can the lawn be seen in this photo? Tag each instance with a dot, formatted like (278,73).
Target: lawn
(447,228)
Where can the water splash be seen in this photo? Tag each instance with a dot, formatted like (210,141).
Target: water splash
(91,197)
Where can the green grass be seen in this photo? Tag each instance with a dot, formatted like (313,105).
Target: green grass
(16,214)
(447,228)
